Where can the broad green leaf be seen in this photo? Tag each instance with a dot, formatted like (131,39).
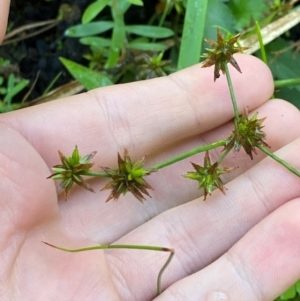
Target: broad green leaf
(218,14)
(285,64)
(150,31)
(97,42)
(136,2)
(93,10)
(246,11)
(292,95)
(88,29)
(147,46)
(89,78)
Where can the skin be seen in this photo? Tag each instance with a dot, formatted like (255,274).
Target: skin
(244,245)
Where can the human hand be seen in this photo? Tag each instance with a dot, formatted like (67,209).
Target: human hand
(236,244)
(159,118)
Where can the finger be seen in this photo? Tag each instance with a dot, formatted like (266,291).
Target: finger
(141,116)
(4,4)
(26,198)
(200,232)
(261,266)
(87,215)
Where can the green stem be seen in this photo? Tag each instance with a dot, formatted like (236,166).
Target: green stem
(95,174)
(189,154)
(261,43)
(223,155)
(131,247)
(164,14)
(287,82)
(118,35)
(279,160)
(172,253)
(234,104)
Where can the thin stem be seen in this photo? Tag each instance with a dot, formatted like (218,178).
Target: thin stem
(95,174)
(287,82)
(261,43)
(164,14)
(189,154)
(131,247)
(162,270)
(223,155)
(167,162)
(234,104)
(279,160)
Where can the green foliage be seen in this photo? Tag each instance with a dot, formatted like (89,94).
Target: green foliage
(150,31)
(218,15)
(113,43)
(193,32)
(93,10)
(136,2)
(89,78)
(284,64)
(88,29)
(13,87)
(246,12)
(145,44)
(97,42)
(292,294)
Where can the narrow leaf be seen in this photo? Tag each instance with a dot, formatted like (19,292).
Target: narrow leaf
(89,78)
(150,31)
(192,37)
(136,2)
(97,42)
(147,46)
(88,29)
(93,10)
(15,90)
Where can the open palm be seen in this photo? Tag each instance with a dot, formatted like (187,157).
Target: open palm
(234,245)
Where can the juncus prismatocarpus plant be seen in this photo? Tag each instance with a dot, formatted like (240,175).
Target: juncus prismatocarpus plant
(130,177)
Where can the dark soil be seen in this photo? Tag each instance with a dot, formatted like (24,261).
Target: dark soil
(40,53)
